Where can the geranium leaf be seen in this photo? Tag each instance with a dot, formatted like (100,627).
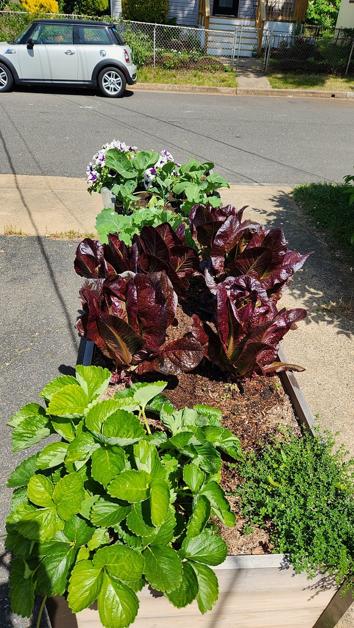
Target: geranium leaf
(68,494)
(107,513)
(187,590)
(208,587)
(163,567)
(160,501)
(107,462)
(84,586)
(207,548)
(40,490)
(117,603)
(52,455)
(120,561)
(93,380)
(70,402)
(57,384)
(131,485)
(199,517)
(23,472)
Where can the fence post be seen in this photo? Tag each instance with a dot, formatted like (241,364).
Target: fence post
(154,43)
(349,58)
(267,52)
(239,45)
(234,46)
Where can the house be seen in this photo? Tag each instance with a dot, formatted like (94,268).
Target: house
(235,23)
(345,17)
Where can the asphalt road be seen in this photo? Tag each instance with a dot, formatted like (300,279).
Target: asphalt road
(252,140)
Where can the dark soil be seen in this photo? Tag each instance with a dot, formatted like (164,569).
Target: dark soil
(255,412)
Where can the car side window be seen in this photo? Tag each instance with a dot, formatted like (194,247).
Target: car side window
(94,35)
(53,34)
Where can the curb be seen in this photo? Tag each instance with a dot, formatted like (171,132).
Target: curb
(239,91)
(192,89)
(301,93)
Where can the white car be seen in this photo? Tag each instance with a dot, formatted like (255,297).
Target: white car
(71,52)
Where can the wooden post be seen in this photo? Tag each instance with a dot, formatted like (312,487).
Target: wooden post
(300,10)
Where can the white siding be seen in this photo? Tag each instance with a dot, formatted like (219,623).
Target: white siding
(184,11)
(116,8)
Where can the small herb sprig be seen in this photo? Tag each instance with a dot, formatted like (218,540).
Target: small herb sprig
(301,491)
(119,502)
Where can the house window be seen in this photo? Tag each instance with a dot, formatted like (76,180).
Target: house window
(225,7)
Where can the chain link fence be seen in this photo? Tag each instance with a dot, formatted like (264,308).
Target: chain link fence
(184,47)
(324,54)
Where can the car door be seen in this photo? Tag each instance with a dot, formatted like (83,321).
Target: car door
(93,45)
(31,63)
(61,52)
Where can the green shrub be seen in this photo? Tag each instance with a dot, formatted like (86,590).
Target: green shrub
(301,491)
(149,11)
(116,503)
(323,13)
(12,25)
(140,44)
(91,7)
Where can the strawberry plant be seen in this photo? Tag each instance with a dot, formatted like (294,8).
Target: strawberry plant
(119,501)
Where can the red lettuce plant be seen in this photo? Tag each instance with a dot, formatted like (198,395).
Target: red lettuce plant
(235,247)
(129,318)
(227,286)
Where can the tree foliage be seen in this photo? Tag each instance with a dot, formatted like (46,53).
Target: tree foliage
(323,13)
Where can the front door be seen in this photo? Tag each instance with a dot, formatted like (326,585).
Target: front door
(225,7)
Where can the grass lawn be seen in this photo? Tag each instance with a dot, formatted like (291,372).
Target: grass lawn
(328,204)
(148,74)
(294,80)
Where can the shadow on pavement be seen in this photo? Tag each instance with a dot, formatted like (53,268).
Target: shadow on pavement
(325,284)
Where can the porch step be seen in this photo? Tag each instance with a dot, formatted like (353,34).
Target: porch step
(235,38)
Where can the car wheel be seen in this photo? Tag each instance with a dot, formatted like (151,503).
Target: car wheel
(6,79)
(112,82)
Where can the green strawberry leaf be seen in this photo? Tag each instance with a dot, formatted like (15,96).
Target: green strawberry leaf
(122,428)
(131,486)
(160,501)
(93,380)
(57,559)
(117,604)
(80,450)
(163,568)
(23,472)
(107,462)
(84,586)
(219,504)
(147,392)
(199,517)
(40,490)
(29,411)
(57,384)
(78,531)
(68,494)
(70,402)
(193,477)
(29,431)
(98,414)
(21,588)
(207,548)
(187,590)
(108,513)
(120,561)
(208,587)
(52,455)
(100,537)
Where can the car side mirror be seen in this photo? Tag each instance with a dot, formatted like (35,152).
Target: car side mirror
(30,44)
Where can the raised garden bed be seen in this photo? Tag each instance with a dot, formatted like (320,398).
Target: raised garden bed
(257,590)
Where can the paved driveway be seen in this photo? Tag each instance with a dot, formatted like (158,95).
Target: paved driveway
(252,140)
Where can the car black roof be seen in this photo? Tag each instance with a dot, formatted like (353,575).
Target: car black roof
(73,21)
